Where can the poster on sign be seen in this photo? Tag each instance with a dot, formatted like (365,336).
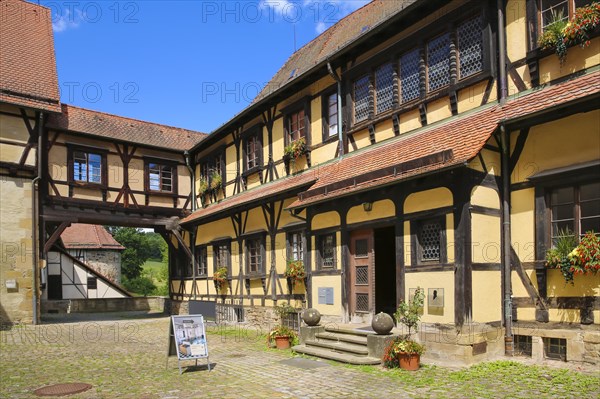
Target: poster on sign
(187,338)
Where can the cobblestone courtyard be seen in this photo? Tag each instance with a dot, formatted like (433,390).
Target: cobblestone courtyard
(126,358)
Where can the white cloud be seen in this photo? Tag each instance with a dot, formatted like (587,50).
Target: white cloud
(66,20)
(279,6)
(331,11)
(321,27)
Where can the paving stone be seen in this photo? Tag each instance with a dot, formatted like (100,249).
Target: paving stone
(127,359)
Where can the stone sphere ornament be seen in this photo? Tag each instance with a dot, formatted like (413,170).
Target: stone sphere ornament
(382,323)
(311,317)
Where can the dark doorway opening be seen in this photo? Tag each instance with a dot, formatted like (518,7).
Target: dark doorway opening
(385,270)
(55,287)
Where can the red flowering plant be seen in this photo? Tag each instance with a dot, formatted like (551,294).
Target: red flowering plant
(585,20)
(575,258)
(295,270)
(220,277)
(560,34)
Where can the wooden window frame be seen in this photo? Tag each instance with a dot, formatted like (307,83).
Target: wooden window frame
(449,33)
(540,11)
(202,261)
(326,117)
(261,239)
(210,164)
(216,247)
(254,133)
(320,258)
(551,342)
(394,68)
(71,149)
(576,187)
(293,109)
(182,268)
(369,97)
(534,21)
(94,281)
(161,163)
(289,246)
(416,228)
(418,42)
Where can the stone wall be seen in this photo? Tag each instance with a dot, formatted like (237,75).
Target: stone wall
(103,261)
(154,304)
(16,304)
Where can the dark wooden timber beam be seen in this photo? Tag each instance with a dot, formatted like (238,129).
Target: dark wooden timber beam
(55,236)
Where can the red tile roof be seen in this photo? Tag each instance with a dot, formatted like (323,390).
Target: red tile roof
(89,236)
(334,39)
(27,64)
(463,135)
(256,195)
(81,120)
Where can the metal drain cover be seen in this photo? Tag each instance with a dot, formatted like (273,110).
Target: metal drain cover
(62,389)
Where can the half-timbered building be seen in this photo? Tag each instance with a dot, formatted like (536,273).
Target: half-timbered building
(430,145)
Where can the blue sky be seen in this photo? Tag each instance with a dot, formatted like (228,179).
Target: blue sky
(191,64)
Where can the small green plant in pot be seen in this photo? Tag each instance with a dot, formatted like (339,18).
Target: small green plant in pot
(403,351)
(283,337)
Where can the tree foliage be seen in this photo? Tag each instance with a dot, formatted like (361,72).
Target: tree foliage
(139,247)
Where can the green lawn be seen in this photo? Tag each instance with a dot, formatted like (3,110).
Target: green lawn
(155,269)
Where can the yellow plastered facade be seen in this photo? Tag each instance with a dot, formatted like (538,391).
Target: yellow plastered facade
(547,145)
(435,280)
(381,209)
(485,230)
(487,296)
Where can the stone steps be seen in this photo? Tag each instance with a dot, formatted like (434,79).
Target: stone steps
(342,337)
(337,356)
(339,344)
(341,347)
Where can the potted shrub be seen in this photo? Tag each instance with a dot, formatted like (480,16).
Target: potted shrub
(282,336)
(220,278)
(404,348)
(294,271)
(404,353)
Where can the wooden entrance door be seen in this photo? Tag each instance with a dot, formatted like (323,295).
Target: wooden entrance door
(361,272)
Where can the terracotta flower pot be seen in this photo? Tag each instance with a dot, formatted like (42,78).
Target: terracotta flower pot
(282,342)
(409,361)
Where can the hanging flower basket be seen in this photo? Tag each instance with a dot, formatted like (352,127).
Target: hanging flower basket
(220,278)
(560,34)
(574,258)
(294,272)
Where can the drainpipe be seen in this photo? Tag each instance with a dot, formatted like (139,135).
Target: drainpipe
(502,52)
(186,153)
(506,239)
(335,77)
(34,220)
